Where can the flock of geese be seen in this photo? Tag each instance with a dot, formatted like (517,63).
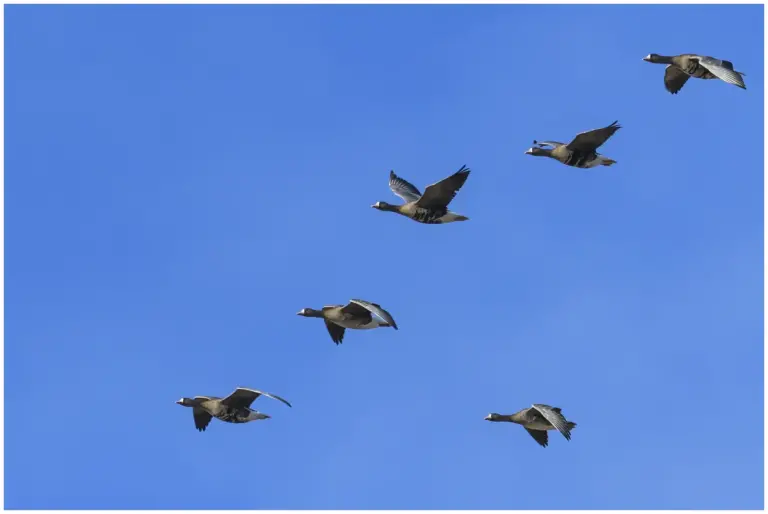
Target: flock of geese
(431,207)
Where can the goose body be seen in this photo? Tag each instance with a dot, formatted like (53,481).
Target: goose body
(537,420)
(356,315)
(681,67)
(432,206)
(579,153)
(235,408)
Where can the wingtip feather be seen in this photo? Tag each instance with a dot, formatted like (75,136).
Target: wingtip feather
(464,170)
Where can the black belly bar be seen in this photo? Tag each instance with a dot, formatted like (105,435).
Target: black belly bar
(427,216)
(578,160)
(233,417)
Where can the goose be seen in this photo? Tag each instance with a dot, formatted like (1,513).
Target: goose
(357,314)
(432,206)
(681,67)
(235,408)
(537,420)
(581,152)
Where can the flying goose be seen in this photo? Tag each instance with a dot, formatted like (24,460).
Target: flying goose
(235,408)
(681,67)
(537,420)
(581,152)
(432,206)
(357,314)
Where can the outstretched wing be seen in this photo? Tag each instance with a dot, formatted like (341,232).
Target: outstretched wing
(440,194)
(244,397)
(355,310)
(278,398)
(591,140)
(555,417)
(374,308)
(674,79)
(337,332)
(553,144)
(402,188)
(202,418)
(722,70)
(540,435)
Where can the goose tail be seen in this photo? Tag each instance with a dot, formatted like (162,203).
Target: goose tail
(452,216)
(608,162)
(571,425)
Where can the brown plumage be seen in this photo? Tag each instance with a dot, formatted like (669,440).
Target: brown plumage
(357,314)
(431,207)
(235,408)
(537,420)
(681,67)
(581,152)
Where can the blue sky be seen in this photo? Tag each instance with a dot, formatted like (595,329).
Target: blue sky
(180,181)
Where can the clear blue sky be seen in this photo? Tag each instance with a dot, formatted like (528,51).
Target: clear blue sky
(180,181)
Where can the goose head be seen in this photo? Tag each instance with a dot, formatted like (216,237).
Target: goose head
(538,151)
(384,206)
(309,313)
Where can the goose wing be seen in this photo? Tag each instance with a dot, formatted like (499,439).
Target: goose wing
(356,310)
(553,144)
(402,188)
(373,308)
(540,435)
(674,79)
(440,194)
(244,397)
(202,418)
(337,332)
(591,140)
(554,416)
(722,70)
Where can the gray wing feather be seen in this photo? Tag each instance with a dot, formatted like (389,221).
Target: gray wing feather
(336,331)
(201,417)
(244,397)
(674,79)
(440,194)
(240,397)
(402,188)
(376,309)
(554,417)
(275,397)
(540,436)
(591,140)
(553,144)
(722,71)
